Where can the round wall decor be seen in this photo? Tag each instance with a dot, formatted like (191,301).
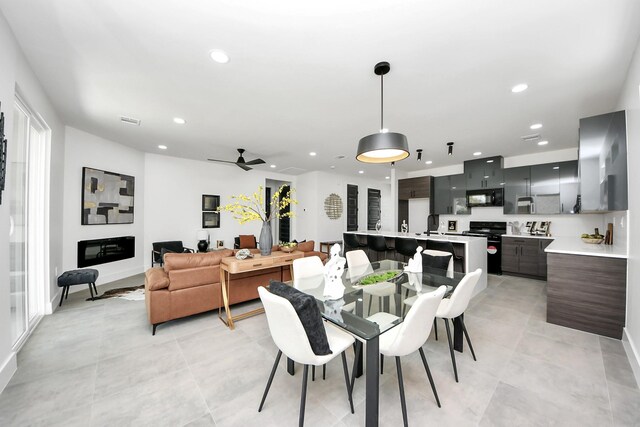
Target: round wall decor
(333,206)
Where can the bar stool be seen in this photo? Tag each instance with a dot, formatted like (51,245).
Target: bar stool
(437,245)
(351,242)
(406,247)
(377,243)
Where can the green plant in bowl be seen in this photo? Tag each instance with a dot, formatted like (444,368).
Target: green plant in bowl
(379,277)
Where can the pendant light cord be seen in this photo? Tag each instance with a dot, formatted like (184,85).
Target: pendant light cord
(381,102)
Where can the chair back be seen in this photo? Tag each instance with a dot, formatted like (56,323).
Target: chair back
(406,246)
(439,253)
(169,246)
(307,267)
(376,242)
(416,327)
(439,245)
(285,327)
(358,264)
(459,300)
(350,240)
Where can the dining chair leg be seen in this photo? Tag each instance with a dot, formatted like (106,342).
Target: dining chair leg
(356,362)
(403,403)
(303,397)
(466,335)
(324,371)
(381,364)
(435,327)
(273,373)
(346,380)
(369,309)
(426,368)
(313,372)
(453,356)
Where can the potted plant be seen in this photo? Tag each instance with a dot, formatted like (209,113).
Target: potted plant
(252,208)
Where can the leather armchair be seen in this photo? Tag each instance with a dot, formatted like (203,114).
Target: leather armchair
(161,248)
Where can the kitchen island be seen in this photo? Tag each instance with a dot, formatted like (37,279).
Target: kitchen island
(472,250)
(586,286)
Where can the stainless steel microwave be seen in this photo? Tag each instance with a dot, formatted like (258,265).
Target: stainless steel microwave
(487,197)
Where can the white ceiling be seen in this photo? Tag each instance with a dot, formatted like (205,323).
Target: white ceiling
(301,76)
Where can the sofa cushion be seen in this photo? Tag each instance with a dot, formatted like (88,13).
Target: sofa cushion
(306,246)
(247,241)
(323,257)
(182,261)
(192,277)
(156,278)
(307,309)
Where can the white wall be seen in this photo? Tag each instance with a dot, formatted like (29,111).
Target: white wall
(16,74)
(86,150)
(315,187)
(630,100)
(173,199)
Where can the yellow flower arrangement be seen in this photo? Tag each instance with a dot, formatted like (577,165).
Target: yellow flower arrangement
(250,208)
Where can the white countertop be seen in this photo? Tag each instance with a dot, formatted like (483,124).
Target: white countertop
(575,246)
(527,236)
(421,236)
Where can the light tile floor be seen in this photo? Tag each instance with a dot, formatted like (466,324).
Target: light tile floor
(96,363)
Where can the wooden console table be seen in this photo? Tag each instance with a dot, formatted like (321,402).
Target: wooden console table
(232,265)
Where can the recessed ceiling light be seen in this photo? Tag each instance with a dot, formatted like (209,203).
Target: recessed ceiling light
(179,120)
(519,88)
(486,177)
(543,142)
(453,188)
(361,172)
(477,153)
(332,167)
(428,162)
(162,147)
(220,56)
(556,167)
(272,166)
(489,161)
(387,177)
(313,153)
(535,126)
(502,183)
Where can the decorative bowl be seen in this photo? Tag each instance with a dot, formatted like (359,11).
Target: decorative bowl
(289,248)
(592,241)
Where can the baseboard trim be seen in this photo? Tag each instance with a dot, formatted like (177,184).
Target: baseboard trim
(632,354)
(8,368)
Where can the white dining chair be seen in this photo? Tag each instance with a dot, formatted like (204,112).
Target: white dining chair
(358,265)
(455,306)
(410,336)
(307,267)
(291,339)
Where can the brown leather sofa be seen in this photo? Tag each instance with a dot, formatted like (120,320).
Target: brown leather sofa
(189,284)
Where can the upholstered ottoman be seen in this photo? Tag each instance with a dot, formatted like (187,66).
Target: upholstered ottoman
(77,277)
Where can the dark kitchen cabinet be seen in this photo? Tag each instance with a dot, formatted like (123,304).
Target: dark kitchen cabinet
(545,188)
(450,195)
(569,186)
(483,173)
(415,188)
(525,256)
(517,183)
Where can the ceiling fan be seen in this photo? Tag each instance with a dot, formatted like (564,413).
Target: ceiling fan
(241,163)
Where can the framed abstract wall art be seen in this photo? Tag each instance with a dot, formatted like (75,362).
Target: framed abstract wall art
(107,197)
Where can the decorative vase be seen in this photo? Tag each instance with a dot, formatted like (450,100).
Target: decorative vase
(266,239)
(203,245)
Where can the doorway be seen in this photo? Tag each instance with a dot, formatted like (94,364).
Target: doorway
(280,227)
(352,207)
(28,228)
(373,208)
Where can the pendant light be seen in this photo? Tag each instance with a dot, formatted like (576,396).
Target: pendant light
(384,146)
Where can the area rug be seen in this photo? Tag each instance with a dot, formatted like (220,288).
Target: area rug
(133,293)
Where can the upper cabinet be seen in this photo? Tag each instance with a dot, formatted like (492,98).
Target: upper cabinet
(415,188)
(483,173)
(450,195)
(603,162)
(550,188)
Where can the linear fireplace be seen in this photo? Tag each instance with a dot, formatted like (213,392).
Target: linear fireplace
(100,251)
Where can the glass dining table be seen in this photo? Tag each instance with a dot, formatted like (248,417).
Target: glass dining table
(368,309)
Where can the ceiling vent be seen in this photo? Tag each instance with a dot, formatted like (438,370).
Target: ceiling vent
(130,120)
(531,138)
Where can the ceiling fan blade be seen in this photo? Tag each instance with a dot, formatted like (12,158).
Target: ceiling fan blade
(255,162)
(243,166)
(221,161)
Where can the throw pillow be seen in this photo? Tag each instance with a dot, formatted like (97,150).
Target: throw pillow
(306,246)
(307,309)
(437,262)
(247,241)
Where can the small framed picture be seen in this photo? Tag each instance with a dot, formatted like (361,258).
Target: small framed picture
(210,203)
(453,225)
(210,219)
(220,243)
(530,227)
